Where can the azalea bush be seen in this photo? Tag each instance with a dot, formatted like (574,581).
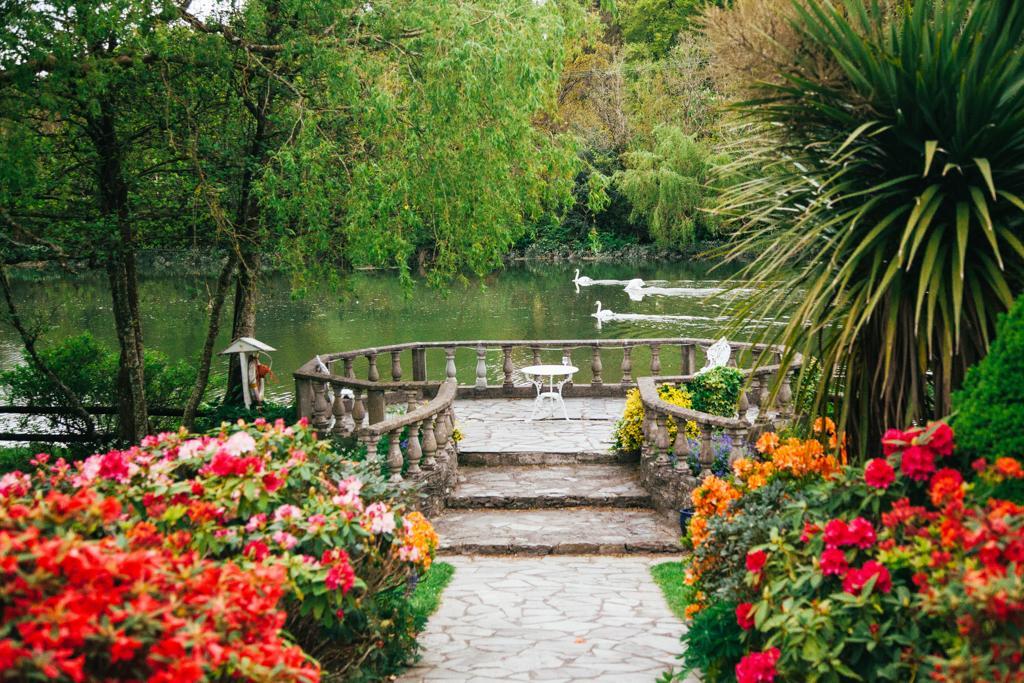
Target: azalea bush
(268,495)
(904,568)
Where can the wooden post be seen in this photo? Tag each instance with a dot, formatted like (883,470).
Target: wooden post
(507,368)
(595,367)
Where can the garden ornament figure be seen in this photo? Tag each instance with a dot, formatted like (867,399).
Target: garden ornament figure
(718,355)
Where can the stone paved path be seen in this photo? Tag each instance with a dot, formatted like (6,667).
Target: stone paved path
(549,619)
(581,611)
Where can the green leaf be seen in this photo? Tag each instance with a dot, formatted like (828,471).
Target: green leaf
(929,153)
(986,171)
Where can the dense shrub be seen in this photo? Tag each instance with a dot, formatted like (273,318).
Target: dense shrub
(129,607)
(990,406)
(897,570)
(89,369)
(717,391)
(270,495)
(629,434)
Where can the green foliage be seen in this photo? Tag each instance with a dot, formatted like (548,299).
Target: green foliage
(886,199)
(629,434)
(90,369)
(230,413)
(990,406)
(717,391)
(712,643)
(650,27)
(666,185)
(669,576)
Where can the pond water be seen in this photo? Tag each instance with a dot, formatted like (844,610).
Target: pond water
(525,301)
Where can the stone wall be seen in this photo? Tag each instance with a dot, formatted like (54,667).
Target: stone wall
(669,484)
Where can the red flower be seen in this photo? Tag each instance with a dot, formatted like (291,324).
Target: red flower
(114,465)
(756,560)
(745,615)
(861,533)
(256,550)
(272,482)
(893,441)
(918,462)
(833,562)
(836,533)
(941,440)
(758,667)
(856,579)
(879,473)
(946,487)
(810,531)
(979,465)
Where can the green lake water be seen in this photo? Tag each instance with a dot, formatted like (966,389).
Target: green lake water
(530,301)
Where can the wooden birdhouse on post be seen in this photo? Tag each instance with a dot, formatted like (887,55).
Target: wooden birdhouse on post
(254,373)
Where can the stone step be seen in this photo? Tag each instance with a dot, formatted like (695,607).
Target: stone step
(501,458)
(565,531)
(546,486)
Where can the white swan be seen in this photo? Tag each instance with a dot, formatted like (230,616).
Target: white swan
(634,284)
(585,281)
(602,314)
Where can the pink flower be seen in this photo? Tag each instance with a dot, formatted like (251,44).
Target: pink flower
(833,562)
(836,533)
(114,466)
(861,533)
(378,519)
(284,539)
(756,560)
(879,473)
(316,522)
(287,512)
(240,442)
(758,667)
(255,522)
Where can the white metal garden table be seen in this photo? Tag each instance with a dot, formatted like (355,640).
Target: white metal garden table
(553,391)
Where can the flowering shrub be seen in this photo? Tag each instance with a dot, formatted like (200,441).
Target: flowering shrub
(117,608)
(629,430)
(899,570)
(267,496)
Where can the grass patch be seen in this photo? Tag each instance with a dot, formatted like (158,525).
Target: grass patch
(426,596)
(669,577)
(18,457)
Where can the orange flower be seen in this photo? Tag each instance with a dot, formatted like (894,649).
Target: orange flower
(753,473)
(1009,467)
(768,442)
(698,529)
(825,424)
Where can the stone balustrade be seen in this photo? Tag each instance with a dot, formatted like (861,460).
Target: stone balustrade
(340,402)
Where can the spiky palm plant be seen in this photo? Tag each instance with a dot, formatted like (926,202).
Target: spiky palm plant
(887,209)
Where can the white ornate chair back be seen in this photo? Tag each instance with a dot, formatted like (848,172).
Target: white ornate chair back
(718,355)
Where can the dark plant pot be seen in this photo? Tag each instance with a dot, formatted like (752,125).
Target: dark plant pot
(684,519)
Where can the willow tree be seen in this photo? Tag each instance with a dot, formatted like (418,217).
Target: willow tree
(889,198)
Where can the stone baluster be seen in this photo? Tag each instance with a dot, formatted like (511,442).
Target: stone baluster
(744,403)
(689,359)
(415,450)
(481,366)
(370,441)
(627,365)
(321,406)
(395,456)
(785,396)
(647,428)
(595,366)
(681,446)
(419,364)
(358,409)
(396,366)
(707,456)
(739,446)
(350,371)
(429,446)
(449,365)
(764,395)
(567,353)
(439,431)
(412,398)
(661,441)
(655,359)
(373,375)
(536,354)
(340,411)
(507,368)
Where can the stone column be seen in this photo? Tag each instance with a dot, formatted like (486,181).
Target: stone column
(429,444)
(707,456)
(507,368)
(358,409)
(689,359)
(339,410)
(449,366)
(661,442)
(655,359)
(321,406)
(481,367)
(415,452)
(627,365)
(373,375)
(395,456)
(396,366)
(595,366)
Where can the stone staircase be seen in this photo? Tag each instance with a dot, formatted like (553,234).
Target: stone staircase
(566,503)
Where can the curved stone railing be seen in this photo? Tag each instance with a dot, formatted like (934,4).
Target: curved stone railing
(335,400)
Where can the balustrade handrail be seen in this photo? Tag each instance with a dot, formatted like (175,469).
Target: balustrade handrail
(441,402)
(648,387)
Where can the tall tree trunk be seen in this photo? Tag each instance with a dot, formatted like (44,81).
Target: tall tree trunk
(121,271)
(220,295)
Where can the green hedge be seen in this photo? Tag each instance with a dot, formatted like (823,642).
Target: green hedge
(717,391)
